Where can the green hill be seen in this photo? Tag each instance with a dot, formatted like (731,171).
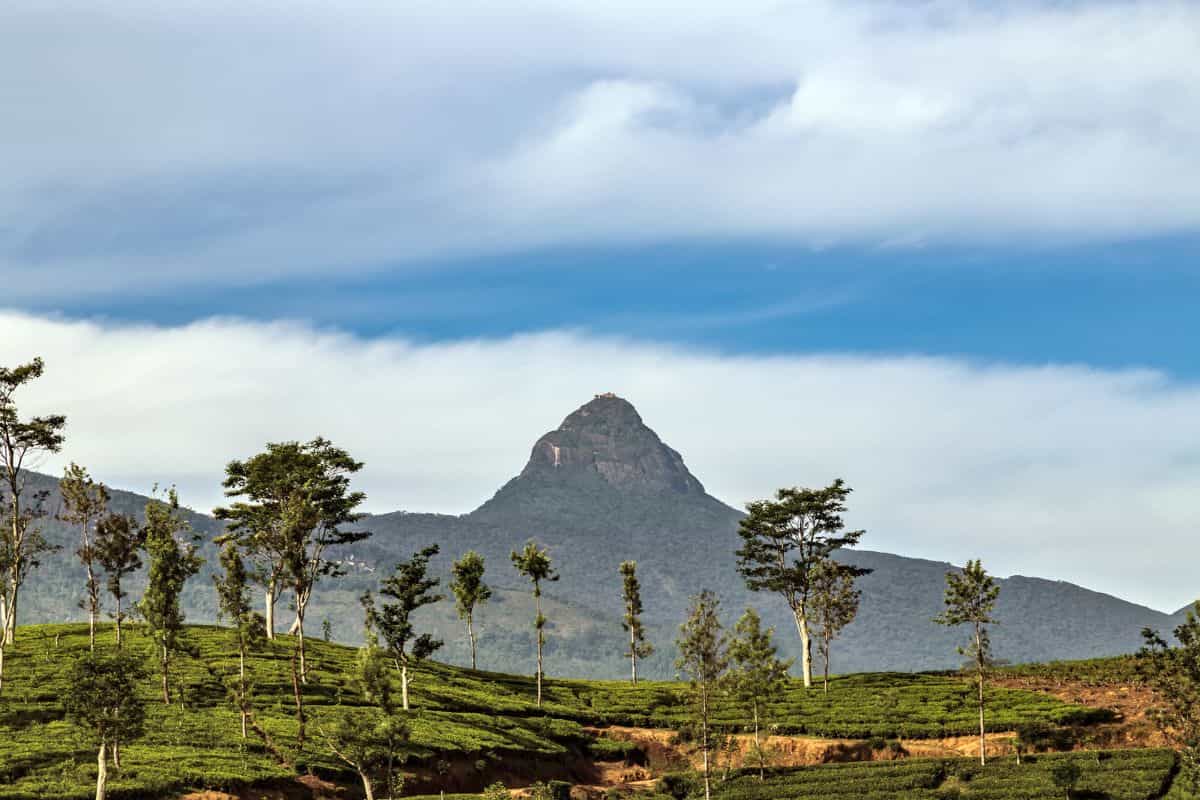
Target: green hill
(482,726)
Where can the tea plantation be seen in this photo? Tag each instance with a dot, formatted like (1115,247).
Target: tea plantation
(487,721)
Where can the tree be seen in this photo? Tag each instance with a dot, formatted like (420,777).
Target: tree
(1174,675)
(102,700)
(364,739)
(756,674)
(233,599)
(970,599)
(534,563)
(470,592)
(118,545)
(784,541)
(84,503)
(297,500)
(703,660)
(631,593)
(1066,774)
(172,562)
(411,588)
(22,442)
(834,606)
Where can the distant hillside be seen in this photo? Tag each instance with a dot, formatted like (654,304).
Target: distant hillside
(602,488)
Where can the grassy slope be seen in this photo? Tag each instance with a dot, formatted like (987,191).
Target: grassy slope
(459,714)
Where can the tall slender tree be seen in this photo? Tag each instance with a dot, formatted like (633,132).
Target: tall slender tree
(118,545)
(410,589)
(970,599)
(22,443)
(631,594)
(835,605)
(703,661)
(84,503)
(756,673)
(785,540)
(534,563)
(296,505)
(470,592)
(102,700)
(172,561)
(233,598)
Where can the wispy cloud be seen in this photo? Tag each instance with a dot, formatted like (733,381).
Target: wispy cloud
(150,147)
(1062,471)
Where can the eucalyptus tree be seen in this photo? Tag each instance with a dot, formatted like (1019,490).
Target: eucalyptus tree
(410,588)
(118,545)
(970,600)
(534,563)
(233,599)
(84,503)
(784,542)
(295,503)
(631,595)
(102,701)
(756,673)
(703,660)
(470,592)
(835,602)
(23,441)
(172,562)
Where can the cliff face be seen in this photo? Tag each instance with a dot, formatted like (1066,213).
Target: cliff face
(607,438)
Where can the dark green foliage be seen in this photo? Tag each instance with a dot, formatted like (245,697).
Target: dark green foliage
(411,588)
(1174,674)
(970,600)
(834,606)
(703,660)
(1065,774)
(22,542)
(103,699)
(233,597)
(119,541)
(631,594)
(786,542)
(172,562)
(464,715)
(470,592)
(756,674)
(534,563)
(1123,775)
(84,502)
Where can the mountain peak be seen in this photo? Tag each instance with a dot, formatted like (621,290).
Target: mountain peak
(606,437)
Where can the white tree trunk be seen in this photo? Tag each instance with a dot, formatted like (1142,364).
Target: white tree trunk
(471,636)
(101,774)
(366,782)
(805,646)
(269,610)
(404,686)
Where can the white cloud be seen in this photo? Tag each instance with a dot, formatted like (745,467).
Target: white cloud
(1057,471)
(232,143)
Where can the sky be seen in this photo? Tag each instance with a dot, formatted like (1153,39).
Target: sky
(946,250)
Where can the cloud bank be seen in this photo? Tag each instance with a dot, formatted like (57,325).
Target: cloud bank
(221,143)
(1057,471)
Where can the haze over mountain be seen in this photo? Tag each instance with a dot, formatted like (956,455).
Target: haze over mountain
(603,488)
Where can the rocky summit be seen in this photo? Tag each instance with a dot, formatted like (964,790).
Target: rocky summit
(607,438)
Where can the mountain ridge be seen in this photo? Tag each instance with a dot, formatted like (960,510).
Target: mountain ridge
(603,487)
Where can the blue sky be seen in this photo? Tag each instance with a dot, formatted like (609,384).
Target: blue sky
(1120,304)
(947,250)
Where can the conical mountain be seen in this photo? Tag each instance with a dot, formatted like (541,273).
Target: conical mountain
(602,488)
(606,457)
